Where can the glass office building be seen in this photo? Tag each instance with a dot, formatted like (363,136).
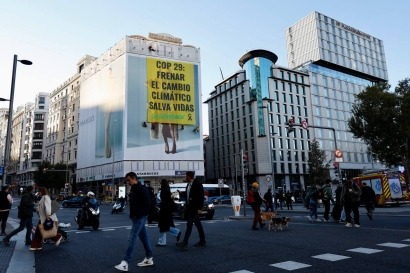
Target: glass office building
(341,62)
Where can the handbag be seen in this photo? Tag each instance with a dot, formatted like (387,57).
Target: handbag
(55,206)
(46,234)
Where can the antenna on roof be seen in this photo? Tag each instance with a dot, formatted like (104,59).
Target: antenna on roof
(221,73)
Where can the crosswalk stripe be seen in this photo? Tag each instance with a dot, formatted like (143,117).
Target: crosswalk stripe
(290,265)
(395,245)
(365,250)
(330,257)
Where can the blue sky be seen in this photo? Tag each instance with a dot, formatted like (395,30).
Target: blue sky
(54,35)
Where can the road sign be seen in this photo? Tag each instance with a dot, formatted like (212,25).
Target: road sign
(338,153)
(268,178)
(304,124)
(220,183)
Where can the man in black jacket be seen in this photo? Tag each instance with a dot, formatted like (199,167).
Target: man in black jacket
(25,213)
(139,204)
(195,201)
(369,199)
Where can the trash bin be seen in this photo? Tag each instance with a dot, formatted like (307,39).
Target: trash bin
(236,204)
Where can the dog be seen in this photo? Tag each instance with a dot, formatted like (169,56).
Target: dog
(268,216)
(280,223)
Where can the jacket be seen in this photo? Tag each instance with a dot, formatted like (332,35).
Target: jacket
(327,192)
(257,197)
(368,195)
(26,205)
(44,209)
(4,201)
(352,196)
(165,217)
(195,200)
(139,201)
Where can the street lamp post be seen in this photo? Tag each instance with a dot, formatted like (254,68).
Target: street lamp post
(9,120)
(270,139)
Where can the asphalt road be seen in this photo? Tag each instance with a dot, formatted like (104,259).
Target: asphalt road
(381,245)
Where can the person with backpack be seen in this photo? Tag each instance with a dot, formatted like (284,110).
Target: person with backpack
(327,198)
(255,200)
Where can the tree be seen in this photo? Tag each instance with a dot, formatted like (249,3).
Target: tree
(51,176)
(317,170)
(382,120)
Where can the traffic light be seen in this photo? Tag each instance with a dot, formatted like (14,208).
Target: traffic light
(290,123)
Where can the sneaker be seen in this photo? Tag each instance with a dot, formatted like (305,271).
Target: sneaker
(182,245)
(123,266)
(178,236)
(146,262)
(35,248)
(6,242)
(318,220)
(309,218)
(324,220)
(341,221)
(370,216)
(348,225)
(200,244)
(356,225)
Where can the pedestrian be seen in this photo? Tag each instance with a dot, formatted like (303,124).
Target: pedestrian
(369,199)
(288,199)
(314,194)
(25,213)
(139,203)
(5,205)
(338,207)
(268,200)
(44,212)
(351,200)
(256,206)
(327,198)
(165,217)
(195,201)
(278,199)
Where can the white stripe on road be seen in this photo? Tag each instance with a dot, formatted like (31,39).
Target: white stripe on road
(364,250)
(330,257)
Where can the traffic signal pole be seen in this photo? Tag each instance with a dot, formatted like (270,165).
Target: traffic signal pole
(305,126)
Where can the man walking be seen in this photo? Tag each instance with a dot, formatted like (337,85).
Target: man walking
(5,205)
(369,199)
(25,213)
(195,201)
(139,203)
(327,198)
(351,200)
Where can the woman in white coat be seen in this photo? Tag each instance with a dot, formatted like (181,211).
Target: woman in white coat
(44,212)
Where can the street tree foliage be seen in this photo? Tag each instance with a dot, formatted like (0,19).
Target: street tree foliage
(318,172)
(381,118)
(50,176)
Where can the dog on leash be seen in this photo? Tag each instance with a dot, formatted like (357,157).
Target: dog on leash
(280,223)
(268,216)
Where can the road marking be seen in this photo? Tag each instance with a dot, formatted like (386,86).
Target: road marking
(242,271)
(365,250)
(393,245)
(290,265)
(110,229)
(86,231)
(331,257)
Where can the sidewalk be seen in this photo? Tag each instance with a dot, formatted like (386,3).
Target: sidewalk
(17,257)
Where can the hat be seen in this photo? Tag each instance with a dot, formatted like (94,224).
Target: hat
(255,185)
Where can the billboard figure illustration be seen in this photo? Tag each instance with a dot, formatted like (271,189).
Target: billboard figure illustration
(168,130)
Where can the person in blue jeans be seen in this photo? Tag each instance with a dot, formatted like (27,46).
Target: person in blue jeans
(25,214)
(315,193)
(139,204)
(165,217)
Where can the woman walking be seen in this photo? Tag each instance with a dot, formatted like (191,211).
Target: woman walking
(44,212)
(165,218)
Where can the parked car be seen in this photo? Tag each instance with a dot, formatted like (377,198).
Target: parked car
(223,199)
(74,201)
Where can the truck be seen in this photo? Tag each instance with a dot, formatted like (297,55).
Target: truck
(390,188)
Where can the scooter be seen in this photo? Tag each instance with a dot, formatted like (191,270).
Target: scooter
(89,215)
(118,207)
